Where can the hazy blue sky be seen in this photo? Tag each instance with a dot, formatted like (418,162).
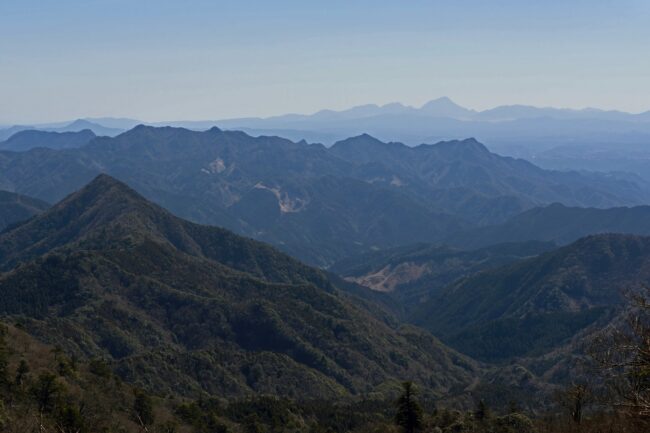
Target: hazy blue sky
(163,60)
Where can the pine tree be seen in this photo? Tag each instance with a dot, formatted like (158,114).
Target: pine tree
(482,411)
(409,411)
(45,391)
(143,408)
(21,373)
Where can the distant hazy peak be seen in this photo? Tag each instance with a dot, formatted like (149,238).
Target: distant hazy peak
(81,123)
(362,138)
(445,107)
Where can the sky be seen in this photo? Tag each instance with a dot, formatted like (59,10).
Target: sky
(197,60)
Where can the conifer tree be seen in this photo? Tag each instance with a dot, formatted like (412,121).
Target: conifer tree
(482,411)
(409,411)
(143,408)
(21,372)
(45,391)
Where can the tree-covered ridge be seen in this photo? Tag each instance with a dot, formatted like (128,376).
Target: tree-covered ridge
(182,308)
(15,208)
(107,214)
(44,389)
(531,307)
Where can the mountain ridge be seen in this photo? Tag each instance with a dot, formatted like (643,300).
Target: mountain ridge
(32,138)
(558,223)
(301,196)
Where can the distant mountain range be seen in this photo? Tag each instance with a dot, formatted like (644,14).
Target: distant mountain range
(319,204)
(553,138)
(79,125)
(33,138)
(559,224)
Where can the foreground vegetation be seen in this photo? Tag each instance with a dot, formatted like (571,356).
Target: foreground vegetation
(43,390)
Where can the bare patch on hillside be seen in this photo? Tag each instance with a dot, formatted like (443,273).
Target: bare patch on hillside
(388,278)
(287,204)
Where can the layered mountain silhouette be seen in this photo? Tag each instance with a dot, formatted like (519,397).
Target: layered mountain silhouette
(518,130)
(31,138)
(183,308)
(84,124)
(15,208)
(6,133)
(316,203)
(479,185)
(585,139)
(559,224)
(100,127)
(554,138)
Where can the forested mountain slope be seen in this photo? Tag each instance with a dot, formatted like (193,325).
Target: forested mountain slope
(530,307)
(15,207)
(183,308)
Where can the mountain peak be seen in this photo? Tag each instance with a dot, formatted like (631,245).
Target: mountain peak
(81,123)
(445,107)
(104,181)
(106,211)
(444,100)
(106,195)
(361,139)
(363,142)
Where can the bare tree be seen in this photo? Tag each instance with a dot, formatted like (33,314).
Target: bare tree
(623,354)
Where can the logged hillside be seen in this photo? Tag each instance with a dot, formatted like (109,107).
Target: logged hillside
(15,208)
(534,306)
(183,308)
(318,204)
